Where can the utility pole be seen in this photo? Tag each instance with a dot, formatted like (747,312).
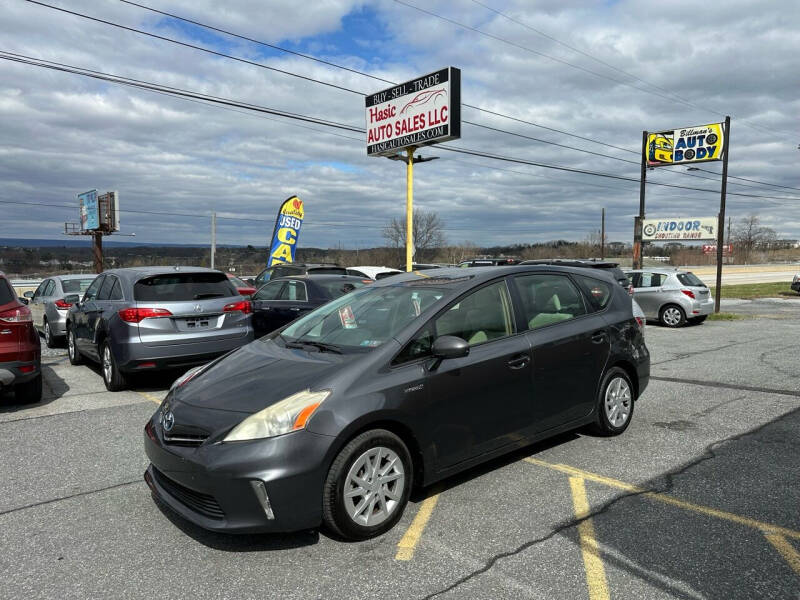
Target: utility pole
(637,227)
(97,251)
(213,237)
(721,222)
(603,234)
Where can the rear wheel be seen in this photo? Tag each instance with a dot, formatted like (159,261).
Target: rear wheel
(75,357)
(368,485)
(672,315)
(29,392)
(114,380)
(49,338)
(614,403)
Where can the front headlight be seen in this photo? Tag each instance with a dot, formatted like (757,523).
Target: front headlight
(289,414)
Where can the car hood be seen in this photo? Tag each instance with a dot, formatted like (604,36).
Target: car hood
(258,375)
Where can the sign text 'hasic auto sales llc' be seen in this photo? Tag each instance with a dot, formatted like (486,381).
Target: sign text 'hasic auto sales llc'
(420,112)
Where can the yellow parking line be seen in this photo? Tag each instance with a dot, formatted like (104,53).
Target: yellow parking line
(595,572)
(785,549)
(150,397)
(407,545)
(697,508)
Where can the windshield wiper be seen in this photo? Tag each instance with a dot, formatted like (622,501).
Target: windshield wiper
(321,346)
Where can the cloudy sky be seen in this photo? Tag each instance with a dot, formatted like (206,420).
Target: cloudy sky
(603,70)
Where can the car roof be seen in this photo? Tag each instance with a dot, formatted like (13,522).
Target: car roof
(73,276)
(133,273)
(319,277)
(663,270)
(463,279)
(577,262)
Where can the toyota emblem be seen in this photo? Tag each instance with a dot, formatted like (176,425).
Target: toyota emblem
(169,421)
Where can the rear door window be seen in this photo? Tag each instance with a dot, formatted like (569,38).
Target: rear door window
(178,287)
(6,293)
(116,291)
(598,293)
(105,290)
(295,291)
(48,291)
(483,316)
(651,280)
(549,299)
(271,291)
(335,289)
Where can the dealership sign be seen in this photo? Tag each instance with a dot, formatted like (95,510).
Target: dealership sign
(420,112)
(667,230)
(683,146)
(287,230)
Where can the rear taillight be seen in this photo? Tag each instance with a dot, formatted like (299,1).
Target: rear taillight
(689,293)
(135,315)
(241,306)
(630,290)
(18,314)
(61,304)
(640,322)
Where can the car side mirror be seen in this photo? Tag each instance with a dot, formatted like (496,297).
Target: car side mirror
(28,294)
(23,300)
(72,299)
(448,346)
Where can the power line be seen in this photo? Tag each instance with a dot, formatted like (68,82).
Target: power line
(671,98)
(788,187)
(215,99)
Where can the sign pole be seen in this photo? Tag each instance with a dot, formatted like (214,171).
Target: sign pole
(603,234)
(721,225)
(97,251)
(637,227)
(213,237)
(409,207)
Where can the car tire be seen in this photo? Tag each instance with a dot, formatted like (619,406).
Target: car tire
(74,354)
(49,338)
(672,315)
(698,320)
(30,391)
(347,512)
(112,377)
(615,403)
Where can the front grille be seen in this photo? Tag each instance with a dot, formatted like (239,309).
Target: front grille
(203,503)
(185,439)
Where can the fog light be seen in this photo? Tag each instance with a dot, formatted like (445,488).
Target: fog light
(261,493)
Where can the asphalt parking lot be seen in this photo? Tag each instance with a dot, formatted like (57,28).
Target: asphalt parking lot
(698,499)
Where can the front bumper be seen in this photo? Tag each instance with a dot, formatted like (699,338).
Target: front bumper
(11,372)
(211,485)
(796,286)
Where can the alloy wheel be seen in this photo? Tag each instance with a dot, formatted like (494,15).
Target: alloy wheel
(71,344)
(374,486)
(48,335)
(107,365)
(618,401)
(672,316)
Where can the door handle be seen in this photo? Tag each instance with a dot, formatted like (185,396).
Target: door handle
(599,337)
(519,362)
(295,309)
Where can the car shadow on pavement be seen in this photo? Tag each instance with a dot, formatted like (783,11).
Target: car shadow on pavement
(228,542)
(735,550)
(53,388)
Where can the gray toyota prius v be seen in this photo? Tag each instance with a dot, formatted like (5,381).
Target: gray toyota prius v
(333,418)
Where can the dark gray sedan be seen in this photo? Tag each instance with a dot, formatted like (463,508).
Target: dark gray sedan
(334,418)
(143,319)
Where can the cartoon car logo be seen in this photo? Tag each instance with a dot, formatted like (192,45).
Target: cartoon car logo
(660,149)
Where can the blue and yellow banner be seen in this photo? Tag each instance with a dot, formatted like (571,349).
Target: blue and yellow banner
(687,145)
(286,232)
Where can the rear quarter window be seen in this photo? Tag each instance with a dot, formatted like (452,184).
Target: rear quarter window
(598,293)
(76,286)
(177,287)
(335,289)
(6,293)
(690,279)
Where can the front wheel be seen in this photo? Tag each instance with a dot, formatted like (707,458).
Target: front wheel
(672,316)
(75,357)
(49,338)
(368,485)
(112,377)
(614,403)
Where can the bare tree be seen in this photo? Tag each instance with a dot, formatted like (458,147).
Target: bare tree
(428,232)
(749,234)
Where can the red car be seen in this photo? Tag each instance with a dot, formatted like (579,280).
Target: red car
(20,349)
(243,288)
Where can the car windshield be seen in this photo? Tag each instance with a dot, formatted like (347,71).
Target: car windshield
(76,286)
(177,287)
(690,279)
(363,319)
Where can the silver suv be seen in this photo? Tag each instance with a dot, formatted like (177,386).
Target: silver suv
(142,319)
(670,296)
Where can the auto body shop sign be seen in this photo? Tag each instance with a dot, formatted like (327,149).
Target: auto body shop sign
(420,112)
(667,230)
(702,143)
